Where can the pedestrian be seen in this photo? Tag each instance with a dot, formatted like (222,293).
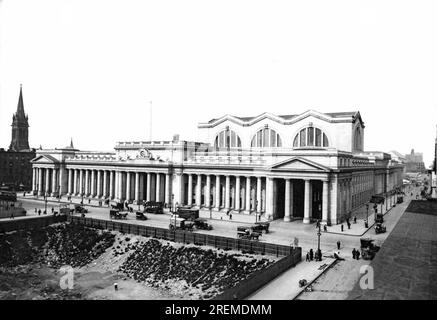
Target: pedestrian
(39,212)
(311,254)
(342,228)
(358,255)
(230,216)
(348,225)
(338,245)
(24,194)
(116,286)
(36,210)
(355,219)
(12,215)
(308,257)
(354,252)
(53,209)
(325,228)
(89,201)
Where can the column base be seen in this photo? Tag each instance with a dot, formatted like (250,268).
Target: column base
(306,220)
(287,219)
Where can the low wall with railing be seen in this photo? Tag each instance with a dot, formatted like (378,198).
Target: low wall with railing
(9,225)
(186,236)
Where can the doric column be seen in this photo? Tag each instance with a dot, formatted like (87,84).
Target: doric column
(54,182)
(208,191)
(99,184)
(325,203)
(149,191)
(199,191)
(62,183)
(158,187)
(128,186)
(87,176)
(269,198)
(34,180)
(47,186)
(76,178)
(217,192)
(93,183)
(258,195)
(137,187)
(227,192)
(306,210)
(190,189)
(111,185)
(237,193)
(167,196)
(70,182)
(287,210)
(40,189)
(248,194)
(105,185)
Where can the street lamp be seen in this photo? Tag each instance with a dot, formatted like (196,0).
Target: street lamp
(367,213)
(319,233)
(256,213)
(45,203)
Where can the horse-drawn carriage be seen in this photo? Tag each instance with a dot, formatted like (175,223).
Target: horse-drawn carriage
(200,223)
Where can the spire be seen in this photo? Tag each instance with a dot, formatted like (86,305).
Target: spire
(20,106)
(71,143)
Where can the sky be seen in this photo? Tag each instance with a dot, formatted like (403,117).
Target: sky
(89,69)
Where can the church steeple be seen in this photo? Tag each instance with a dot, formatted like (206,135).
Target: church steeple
(20,125)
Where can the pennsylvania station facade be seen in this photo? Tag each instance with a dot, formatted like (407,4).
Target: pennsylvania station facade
(307,167)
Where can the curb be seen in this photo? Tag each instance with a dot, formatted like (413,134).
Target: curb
(315,279)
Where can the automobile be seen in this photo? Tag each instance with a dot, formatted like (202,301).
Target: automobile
(261,226)
(177,222)
(248,234)
(154,207)
(400,199)
(380,228)
(116,214)
(80,209)
(140,216)
(117,205)
(368,248)
(379,218)
(188,213)
(200,223)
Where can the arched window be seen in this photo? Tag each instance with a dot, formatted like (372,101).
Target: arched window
(266,138)
(310,137)
(227,139)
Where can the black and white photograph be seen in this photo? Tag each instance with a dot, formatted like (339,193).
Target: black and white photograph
(202,150)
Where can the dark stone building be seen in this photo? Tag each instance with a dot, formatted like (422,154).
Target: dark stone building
(15,166)
(414,162)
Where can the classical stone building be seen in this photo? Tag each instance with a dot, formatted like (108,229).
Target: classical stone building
(15,166)
(307,166)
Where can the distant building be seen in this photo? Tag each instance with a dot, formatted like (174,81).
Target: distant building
(414,162)
(15,166)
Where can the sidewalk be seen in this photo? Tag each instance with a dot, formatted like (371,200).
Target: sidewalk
(358,229)
(286,285)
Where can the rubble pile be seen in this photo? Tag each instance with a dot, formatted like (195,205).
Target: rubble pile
(55,245)
(160,265)
(75,245)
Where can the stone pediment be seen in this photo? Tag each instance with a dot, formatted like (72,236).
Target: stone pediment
(44,159)
(299,164)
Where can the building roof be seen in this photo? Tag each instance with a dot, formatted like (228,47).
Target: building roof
(335,115)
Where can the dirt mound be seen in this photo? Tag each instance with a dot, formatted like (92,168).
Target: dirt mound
(199,272)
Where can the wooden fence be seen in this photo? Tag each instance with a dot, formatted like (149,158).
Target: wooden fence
(29,223)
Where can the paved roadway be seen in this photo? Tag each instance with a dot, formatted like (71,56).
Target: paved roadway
(280,232)
(337,282)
